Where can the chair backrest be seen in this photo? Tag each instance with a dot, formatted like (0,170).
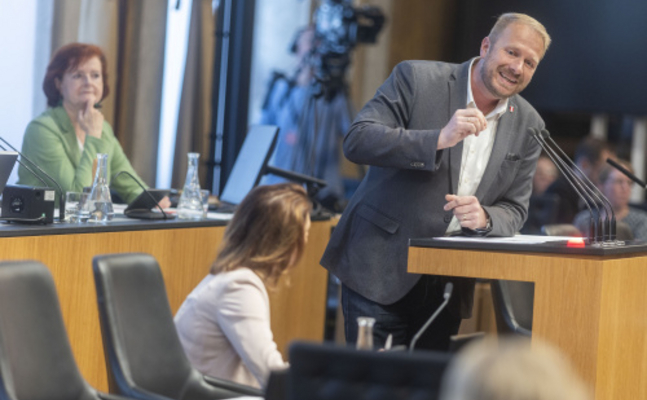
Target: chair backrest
(277,385)
(513,303)
(319,372)
(143,351)
(36,360)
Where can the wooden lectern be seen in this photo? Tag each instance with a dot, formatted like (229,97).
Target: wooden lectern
(592,304)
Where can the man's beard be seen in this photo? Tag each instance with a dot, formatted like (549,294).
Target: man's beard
(489,76)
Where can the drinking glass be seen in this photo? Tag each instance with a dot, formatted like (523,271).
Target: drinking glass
(76,207)
(365,333)
(204,194)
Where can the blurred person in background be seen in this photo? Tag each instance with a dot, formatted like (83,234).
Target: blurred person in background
(312,125)
(224,323)
(542,207)
(66,138)
(545,175)
(617,188)
(509,369)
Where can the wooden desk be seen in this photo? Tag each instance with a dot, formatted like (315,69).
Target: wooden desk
(184,251)
(594,308)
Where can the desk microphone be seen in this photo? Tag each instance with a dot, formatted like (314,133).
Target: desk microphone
(627,173)
(581,188)
(448,293)
(61,203)
(610,216)
(150,196)
(572,179)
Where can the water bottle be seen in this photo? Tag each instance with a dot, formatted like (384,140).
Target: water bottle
(99,201)
(190,204)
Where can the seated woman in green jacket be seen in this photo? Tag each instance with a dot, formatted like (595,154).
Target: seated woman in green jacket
(66,138)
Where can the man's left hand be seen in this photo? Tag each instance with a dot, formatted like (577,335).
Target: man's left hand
(467,210)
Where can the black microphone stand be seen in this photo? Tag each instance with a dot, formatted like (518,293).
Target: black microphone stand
(449,287)
(627,173)
(150,196)
(608,208)
(575,183)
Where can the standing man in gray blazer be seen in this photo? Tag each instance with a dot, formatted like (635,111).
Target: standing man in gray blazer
(449,153)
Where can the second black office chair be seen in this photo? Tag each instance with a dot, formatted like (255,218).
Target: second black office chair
(144,355)
(513,303)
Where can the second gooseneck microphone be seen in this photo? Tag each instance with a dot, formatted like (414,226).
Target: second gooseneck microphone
(150,196)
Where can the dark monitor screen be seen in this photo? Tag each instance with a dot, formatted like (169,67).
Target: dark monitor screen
(7,161)
(250,163)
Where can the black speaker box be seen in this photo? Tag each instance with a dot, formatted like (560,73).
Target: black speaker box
(27,204)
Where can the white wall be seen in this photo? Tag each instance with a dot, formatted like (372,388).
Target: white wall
(17,58)
(177,35)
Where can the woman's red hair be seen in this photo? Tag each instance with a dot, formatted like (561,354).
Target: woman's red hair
(68,58)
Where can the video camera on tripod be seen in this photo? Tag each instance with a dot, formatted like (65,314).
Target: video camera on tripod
(338,28)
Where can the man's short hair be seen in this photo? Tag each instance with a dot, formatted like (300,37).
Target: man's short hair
(509,18)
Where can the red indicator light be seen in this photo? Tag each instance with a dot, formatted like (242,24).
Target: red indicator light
(576,242)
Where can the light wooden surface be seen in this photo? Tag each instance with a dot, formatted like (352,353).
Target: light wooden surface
(591,307)
(185,256)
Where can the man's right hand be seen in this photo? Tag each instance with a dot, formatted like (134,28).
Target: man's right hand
(464,122)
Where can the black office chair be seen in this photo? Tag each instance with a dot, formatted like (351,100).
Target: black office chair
(143,352)
(36,360)
(278,385)
(513,302)
(327,372)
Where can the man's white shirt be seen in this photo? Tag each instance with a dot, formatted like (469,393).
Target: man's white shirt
(476,150)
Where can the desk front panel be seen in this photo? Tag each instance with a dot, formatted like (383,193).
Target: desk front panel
(591,307)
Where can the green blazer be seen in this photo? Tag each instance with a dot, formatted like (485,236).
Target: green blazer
(50,142)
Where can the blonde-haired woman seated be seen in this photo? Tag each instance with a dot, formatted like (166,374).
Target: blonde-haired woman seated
(224,324)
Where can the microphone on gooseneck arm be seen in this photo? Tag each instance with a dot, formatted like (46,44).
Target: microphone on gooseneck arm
(597,228)
(627,173)
(573,181)
(61,203)
(448,293)
(610,215)
(115,176)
